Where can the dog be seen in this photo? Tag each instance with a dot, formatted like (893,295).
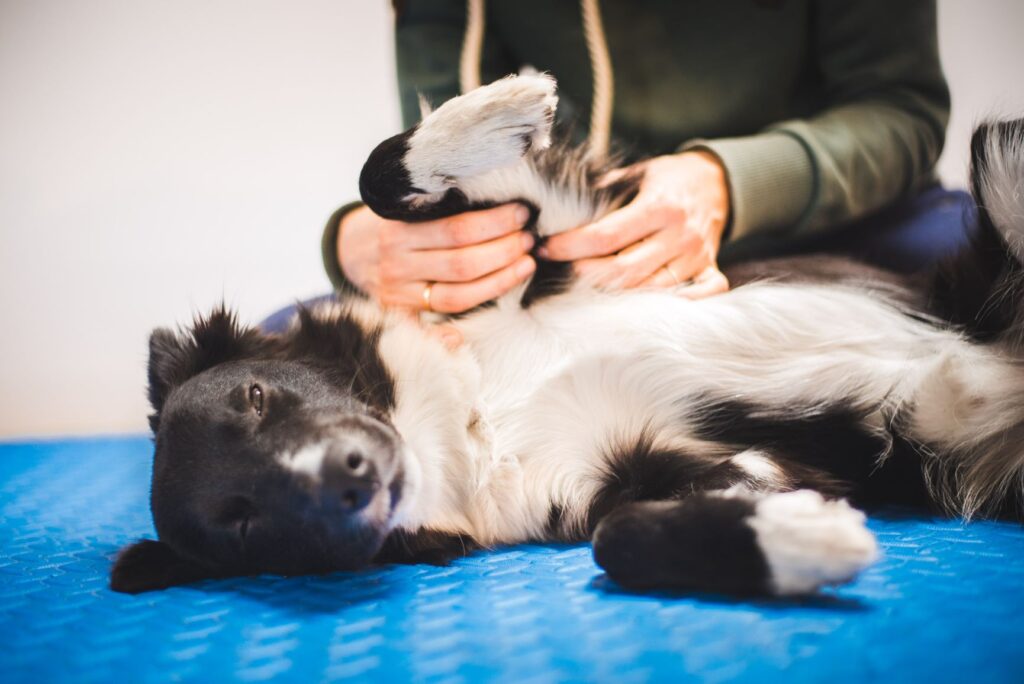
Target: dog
(717,445)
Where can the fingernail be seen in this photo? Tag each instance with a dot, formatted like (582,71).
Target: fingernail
(525,268)
(527,241)
(543,252)
(522,215)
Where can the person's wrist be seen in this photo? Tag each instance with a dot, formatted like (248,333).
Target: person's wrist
(329,250)
(715,186)
(349,242)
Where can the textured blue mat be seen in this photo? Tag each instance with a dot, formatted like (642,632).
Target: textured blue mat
(946,604)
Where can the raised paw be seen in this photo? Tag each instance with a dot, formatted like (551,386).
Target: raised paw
(485,129)
(411,176)
(810,542)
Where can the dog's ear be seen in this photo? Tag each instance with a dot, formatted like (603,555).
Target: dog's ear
(167,358)
(214,339)
(149,565)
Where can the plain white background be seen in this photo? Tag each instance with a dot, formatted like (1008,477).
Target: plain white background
(156,158)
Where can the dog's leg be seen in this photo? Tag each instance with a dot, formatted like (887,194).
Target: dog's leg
(734,524)
(735,542)
(419,174)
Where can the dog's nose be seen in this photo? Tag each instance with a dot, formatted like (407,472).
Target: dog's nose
(350,473)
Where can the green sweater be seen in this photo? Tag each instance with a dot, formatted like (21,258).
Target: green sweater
(821,111)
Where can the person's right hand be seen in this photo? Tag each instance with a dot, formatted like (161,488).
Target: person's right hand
(469,258)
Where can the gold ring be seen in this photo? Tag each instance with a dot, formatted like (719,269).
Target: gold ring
(673,274)
(426,296)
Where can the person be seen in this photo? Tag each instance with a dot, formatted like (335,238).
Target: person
(761,121)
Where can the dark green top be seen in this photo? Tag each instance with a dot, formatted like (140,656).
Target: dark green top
(821,111)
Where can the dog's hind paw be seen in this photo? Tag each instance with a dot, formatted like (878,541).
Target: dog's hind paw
(810,542)
(485,129)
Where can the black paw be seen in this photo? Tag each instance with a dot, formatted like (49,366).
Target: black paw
(701,543)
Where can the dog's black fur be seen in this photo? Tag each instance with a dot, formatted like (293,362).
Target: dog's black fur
(228,400)
(225,401)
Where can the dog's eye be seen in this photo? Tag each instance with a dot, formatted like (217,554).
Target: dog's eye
(256,399)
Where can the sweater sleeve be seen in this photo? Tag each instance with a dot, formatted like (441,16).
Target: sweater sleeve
(875,139)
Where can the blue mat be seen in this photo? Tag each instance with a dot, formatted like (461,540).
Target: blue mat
(946,604)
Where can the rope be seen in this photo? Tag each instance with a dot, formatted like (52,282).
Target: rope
(600,64)
(604,81)
(472,46)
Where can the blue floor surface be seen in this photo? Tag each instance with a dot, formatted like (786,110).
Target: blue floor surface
(945,604)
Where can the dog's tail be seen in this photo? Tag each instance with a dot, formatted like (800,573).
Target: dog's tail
(979,290)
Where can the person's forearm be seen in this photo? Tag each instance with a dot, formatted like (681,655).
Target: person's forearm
(770,179)
(806,175)
(875,137)
(867,155)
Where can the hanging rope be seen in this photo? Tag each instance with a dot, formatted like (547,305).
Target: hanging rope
(604,81)
(472,46)
(600,65)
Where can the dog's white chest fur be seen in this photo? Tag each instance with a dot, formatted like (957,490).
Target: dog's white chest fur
(522,419)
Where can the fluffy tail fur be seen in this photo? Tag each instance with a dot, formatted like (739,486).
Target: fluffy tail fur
(980,289)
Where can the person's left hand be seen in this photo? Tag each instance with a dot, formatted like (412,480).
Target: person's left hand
(668,235)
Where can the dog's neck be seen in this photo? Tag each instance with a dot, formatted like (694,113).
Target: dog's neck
(438,415)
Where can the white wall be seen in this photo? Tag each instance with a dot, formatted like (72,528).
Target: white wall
(983,57)
(156,157)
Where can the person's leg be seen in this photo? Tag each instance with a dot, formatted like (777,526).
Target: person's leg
(911,235)
(278,321)
(906,237)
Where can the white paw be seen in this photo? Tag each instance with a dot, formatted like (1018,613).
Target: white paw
(810,542)
(485,129)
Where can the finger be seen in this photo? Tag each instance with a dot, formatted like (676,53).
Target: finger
(710,282)
(467,228)
(616,175)
(448,334)
(597,272)
(459,297)
(465,264)
(669,274)
(638,262)
(605,236)
(663,278)
(691,261)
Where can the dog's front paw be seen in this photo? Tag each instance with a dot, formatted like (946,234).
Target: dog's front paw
(809,542)
(485,129)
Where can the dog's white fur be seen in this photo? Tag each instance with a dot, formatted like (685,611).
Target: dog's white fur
(810,542)
(521,417)
(495,167)
(1002,188)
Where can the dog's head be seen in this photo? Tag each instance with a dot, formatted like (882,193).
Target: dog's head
(273,454)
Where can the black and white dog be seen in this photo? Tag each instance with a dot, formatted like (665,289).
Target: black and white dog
(702,445)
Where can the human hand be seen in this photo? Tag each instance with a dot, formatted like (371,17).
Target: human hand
(669,234)
(449,265)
